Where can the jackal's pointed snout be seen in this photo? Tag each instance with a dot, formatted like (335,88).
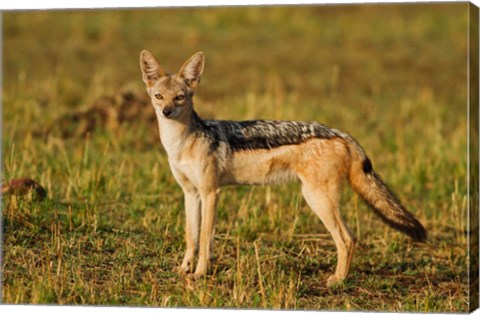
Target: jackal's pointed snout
(167,112)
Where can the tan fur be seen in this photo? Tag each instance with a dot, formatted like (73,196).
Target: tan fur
(321,165)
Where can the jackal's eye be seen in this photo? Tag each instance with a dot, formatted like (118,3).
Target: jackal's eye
(158,96)
(180,97)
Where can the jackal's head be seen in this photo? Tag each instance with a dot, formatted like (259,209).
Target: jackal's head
(171,94)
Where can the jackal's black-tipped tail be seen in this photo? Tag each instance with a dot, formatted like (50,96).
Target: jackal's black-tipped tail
(378,196)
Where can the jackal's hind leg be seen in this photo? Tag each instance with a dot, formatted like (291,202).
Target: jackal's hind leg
(323,199)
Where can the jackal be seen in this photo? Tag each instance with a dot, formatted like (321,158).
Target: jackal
(207,154)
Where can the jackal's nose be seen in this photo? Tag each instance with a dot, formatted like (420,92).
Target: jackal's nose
(167,112)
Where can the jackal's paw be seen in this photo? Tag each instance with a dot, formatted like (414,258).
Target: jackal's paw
(194,276)
(182,270)
(334,280)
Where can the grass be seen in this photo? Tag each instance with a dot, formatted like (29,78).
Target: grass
(111,229)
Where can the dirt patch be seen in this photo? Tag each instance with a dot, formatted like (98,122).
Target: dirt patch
(106,112)
(22,187)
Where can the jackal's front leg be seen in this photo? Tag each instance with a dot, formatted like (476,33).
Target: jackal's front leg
(192,229)
(209,203)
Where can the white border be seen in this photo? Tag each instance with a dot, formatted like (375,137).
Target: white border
(91,4)
(100,310)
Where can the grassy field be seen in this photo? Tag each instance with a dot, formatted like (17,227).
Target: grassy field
(76,119)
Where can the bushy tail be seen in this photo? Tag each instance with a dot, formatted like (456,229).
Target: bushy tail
(378,196)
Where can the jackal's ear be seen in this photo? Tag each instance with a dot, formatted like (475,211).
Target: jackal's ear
(151,69)
(192,70)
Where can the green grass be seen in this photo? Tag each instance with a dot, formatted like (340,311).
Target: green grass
(111,229)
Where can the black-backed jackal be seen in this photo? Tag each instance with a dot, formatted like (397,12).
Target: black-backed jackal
(206,154)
